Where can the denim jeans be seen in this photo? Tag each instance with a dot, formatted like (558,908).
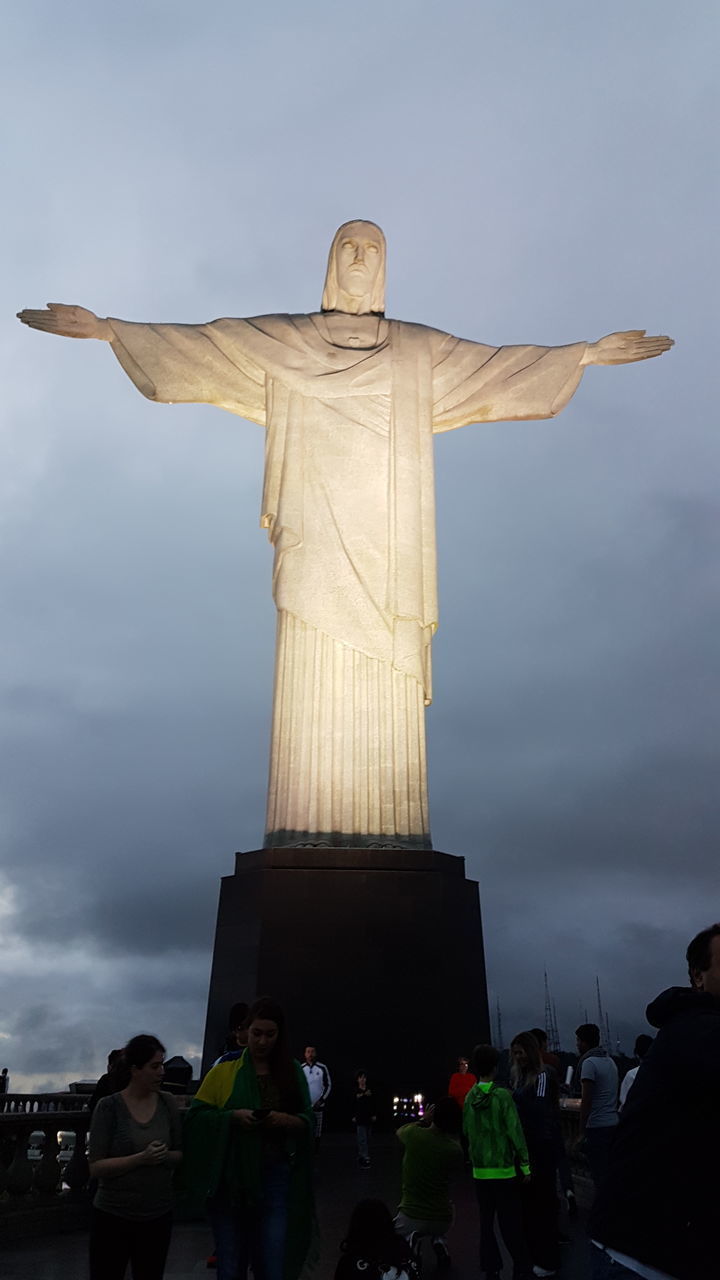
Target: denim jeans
(253,1237)
(363,1141)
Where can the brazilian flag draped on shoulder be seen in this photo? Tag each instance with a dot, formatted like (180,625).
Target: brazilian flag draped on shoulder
(217,1154)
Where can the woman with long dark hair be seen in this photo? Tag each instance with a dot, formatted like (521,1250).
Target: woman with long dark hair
(535,1092)
(135,1140)
(248,1142)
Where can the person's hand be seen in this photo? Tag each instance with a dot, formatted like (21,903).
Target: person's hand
(154,1153)
(245,1118)
(278,1119)
(67,321)
(626,347)
(527,1177)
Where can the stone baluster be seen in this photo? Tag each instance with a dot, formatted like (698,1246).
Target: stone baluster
(77,1169)
(47,1171)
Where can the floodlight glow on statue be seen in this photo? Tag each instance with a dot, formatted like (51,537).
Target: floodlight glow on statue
(350,401)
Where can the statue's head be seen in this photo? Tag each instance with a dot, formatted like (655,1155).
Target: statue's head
(355,280)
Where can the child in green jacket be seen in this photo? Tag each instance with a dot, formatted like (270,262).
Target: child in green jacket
(499,1159)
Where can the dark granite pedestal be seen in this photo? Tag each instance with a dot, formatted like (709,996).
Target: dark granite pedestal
(376,956)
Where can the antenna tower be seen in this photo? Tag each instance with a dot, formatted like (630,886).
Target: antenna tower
(556,1048)
(498,1014)
(603,1024)
(551,1030)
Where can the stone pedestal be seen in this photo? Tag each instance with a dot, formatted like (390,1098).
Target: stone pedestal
(375,955)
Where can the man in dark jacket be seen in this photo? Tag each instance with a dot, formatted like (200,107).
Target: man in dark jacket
(656,1213)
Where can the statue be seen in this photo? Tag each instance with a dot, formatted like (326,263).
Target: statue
(350,401)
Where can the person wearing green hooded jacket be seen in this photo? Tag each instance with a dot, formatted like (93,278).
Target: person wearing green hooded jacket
(248,1154)
(499,1159)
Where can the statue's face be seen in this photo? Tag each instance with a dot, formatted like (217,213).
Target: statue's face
(357,260)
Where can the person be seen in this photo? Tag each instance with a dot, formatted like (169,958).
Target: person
(461,1082)
(598,1077)
(248,1143)
(642,1044)
(235,1041)
(134,1148)
(535,1093)
(552,1063)
(432,1155)
(4,1081)
(364,1118)
(351,401)
(109,1081)
(372,1249)
(656,1213)
(549,1059)
(236,1038)
(499,1157)
(319,1085)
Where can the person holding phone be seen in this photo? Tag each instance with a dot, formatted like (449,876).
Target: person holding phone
(248,1145)
(135,1140)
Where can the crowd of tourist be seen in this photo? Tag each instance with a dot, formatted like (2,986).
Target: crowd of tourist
(244,1154)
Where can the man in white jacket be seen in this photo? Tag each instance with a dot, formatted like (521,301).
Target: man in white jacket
(319,1085)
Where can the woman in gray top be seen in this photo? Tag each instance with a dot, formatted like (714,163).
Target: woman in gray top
(135,1139)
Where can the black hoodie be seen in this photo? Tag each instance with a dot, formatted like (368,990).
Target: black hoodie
(660,1201)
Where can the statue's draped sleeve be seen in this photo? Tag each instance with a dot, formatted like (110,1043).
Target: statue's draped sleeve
(190,363)
(477,383)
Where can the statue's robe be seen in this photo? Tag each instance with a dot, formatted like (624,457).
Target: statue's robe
(348,502)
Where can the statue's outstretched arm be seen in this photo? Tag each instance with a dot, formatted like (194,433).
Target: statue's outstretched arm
(67,321)
(625,347)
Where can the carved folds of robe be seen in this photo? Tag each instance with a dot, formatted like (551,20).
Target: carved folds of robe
(348,502)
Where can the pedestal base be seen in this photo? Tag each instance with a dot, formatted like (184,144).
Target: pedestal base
(375,955)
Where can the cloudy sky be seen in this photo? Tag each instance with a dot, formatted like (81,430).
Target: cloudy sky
(544,173)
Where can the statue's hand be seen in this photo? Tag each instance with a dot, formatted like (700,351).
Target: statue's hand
(625,347)
(70,322)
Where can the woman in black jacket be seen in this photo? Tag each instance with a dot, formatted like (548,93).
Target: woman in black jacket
(536,1098)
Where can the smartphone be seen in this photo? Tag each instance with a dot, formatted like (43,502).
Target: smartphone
(261,1113)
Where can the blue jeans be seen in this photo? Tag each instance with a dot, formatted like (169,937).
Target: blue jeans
(363,1141)
(253,1237)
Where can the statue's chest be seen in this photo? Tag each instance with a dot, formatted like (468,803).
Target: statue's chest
(358,333)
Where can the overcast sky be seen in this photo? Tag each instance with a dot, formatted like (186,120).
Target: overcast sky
(544,173)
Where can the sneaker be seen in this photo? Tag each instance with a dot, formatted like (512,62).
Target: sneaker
(442,1255)
(542,1271)
(415,1241)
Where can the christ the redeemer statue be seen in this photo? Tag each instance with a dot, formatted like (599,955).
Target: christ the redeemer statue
(350,402)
